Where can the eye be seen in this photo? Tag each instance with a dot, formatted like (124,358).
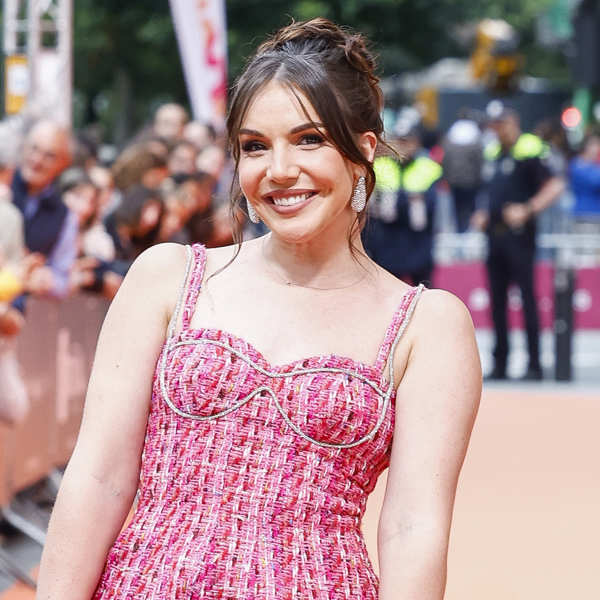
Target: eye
(311,139)
(253,146)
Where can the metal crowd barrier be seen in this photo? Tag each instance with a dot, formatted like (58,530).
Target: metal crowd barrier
(571,250)
(568,253)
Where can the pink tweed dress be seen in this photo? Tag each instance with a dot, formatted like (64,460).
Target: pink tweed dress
(255,476)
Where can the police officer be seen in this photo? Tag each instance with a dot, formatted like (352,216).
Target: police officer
(518,185)
(399,233)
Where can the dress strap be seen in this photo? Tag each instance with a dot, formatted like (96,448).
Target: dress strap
(192,282)
(396,328)
(195,283)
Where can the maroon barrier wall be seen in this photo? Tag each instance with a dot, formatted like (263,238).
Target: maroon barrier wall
(468,280)
(55,351)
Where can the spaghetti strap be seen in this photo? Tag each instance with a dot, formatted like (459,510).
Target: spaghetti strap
(192,281)
(195,283)
(397,326)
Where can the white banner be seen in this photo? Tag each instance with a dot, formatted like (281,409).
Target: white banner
(202,37)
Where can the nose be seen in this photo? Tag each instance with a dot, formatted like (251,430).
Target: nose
(282,167)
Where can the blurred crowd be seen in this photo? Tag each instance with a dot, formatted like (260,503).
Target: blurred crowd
(72,220)
(73,217)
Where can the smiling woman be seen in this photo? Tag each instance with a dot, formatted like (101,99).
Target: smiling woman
(252,395)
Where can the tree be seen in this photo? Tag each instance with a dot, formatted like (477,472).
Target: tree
(127,61)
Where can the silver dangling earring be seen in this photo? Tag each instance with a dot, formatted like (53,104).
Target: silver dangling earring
(359,195)
(252,214)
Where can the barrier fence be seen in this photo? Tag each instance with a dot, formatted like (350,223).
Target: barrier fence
(55,351)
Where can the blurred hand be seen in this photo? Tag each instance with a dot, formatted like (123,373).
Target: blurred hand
(515,214)
(11,321)
(28,264)
(479,220)
(40,281)
(82,273)
(111,283)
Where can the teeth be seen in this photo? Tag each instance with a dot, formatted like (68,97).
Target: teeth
(290,200)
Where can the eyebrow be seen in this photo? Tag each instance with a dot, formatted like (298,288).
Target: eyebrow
(297,129)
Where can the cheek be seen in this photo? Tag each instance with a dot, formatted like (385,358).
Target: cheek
(249,175)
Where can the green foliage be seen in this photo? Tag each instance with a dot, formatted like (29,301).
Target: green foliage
(126,56)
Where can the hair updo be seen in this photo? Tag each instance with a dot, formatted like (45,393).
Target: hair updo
(333,68)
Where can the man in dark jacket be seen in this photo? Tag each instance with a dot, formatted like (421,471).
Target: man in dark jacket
(518,185)
(50,228)
(399,234)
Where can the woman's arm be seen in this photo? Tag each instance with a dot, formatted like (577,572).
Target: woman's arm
(101,479)
(436,404)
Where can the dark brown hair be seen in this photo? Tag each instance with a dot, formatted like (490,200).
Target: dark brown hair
(333,68)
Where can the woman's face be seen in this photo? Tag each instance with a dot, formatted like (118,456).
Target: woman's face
(83,201)
(298,182)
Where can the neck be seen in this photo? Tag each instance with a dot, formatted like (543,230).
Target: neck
(323,263)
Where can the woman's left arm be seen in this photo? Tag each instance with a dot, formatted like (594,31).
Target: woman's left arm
(436,405)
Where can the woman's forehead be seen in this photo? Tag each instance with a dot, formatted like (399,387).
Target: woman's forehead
(276,105)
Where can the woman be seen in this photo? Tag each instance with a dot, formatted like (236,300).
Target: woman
(285,375)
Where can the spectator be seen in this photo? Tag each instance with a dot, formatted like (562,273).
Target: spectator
(462,164)
(519,185)
(169,121)
(188,216)
(50,227)
(182,158)
(135,224)
(584,177)
(81,196)
(139,165)
(202,135)
(399,236)
(102,178)
(14,403)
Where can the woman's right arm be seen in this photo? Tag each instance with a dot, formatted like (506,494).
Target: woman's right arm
(101,480)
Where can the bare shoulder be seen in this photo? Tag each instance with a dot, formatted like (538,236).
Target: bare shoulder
(160,263)
(217,258)
(441,312)
(155,277)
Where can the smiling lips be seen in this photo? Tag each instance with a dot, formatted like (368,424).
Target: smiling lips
(289,198)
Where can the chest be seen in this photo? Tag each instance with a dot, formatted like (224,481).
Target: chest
(209,375)
(288,323)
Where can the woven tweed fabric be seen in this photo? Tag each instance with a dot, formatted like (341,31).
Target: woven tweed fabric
(242,506)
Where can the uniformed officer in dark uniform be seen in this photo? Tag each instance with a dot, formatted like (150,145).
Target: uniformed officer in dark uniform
(518,185)
(399,233)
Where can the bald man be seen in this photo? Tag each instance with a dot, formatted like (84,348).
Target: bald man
(169,121)
(50,228)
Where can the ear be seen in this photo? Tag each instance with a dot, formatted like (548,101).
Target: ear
(367,142)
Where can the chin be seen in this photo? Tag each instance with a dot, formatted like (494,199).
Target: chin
(304,230)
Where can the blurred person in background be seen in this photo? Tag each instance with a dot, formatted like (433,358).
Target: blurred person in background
(584,178)
(201,134)
(139,165)
(188,209)
(133,226)
(518,185)
(50,227)
(182,158)
(399,234)
(169,122)
(462,164)
(14,271)
(102,178)
(557,217)
(94,244)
